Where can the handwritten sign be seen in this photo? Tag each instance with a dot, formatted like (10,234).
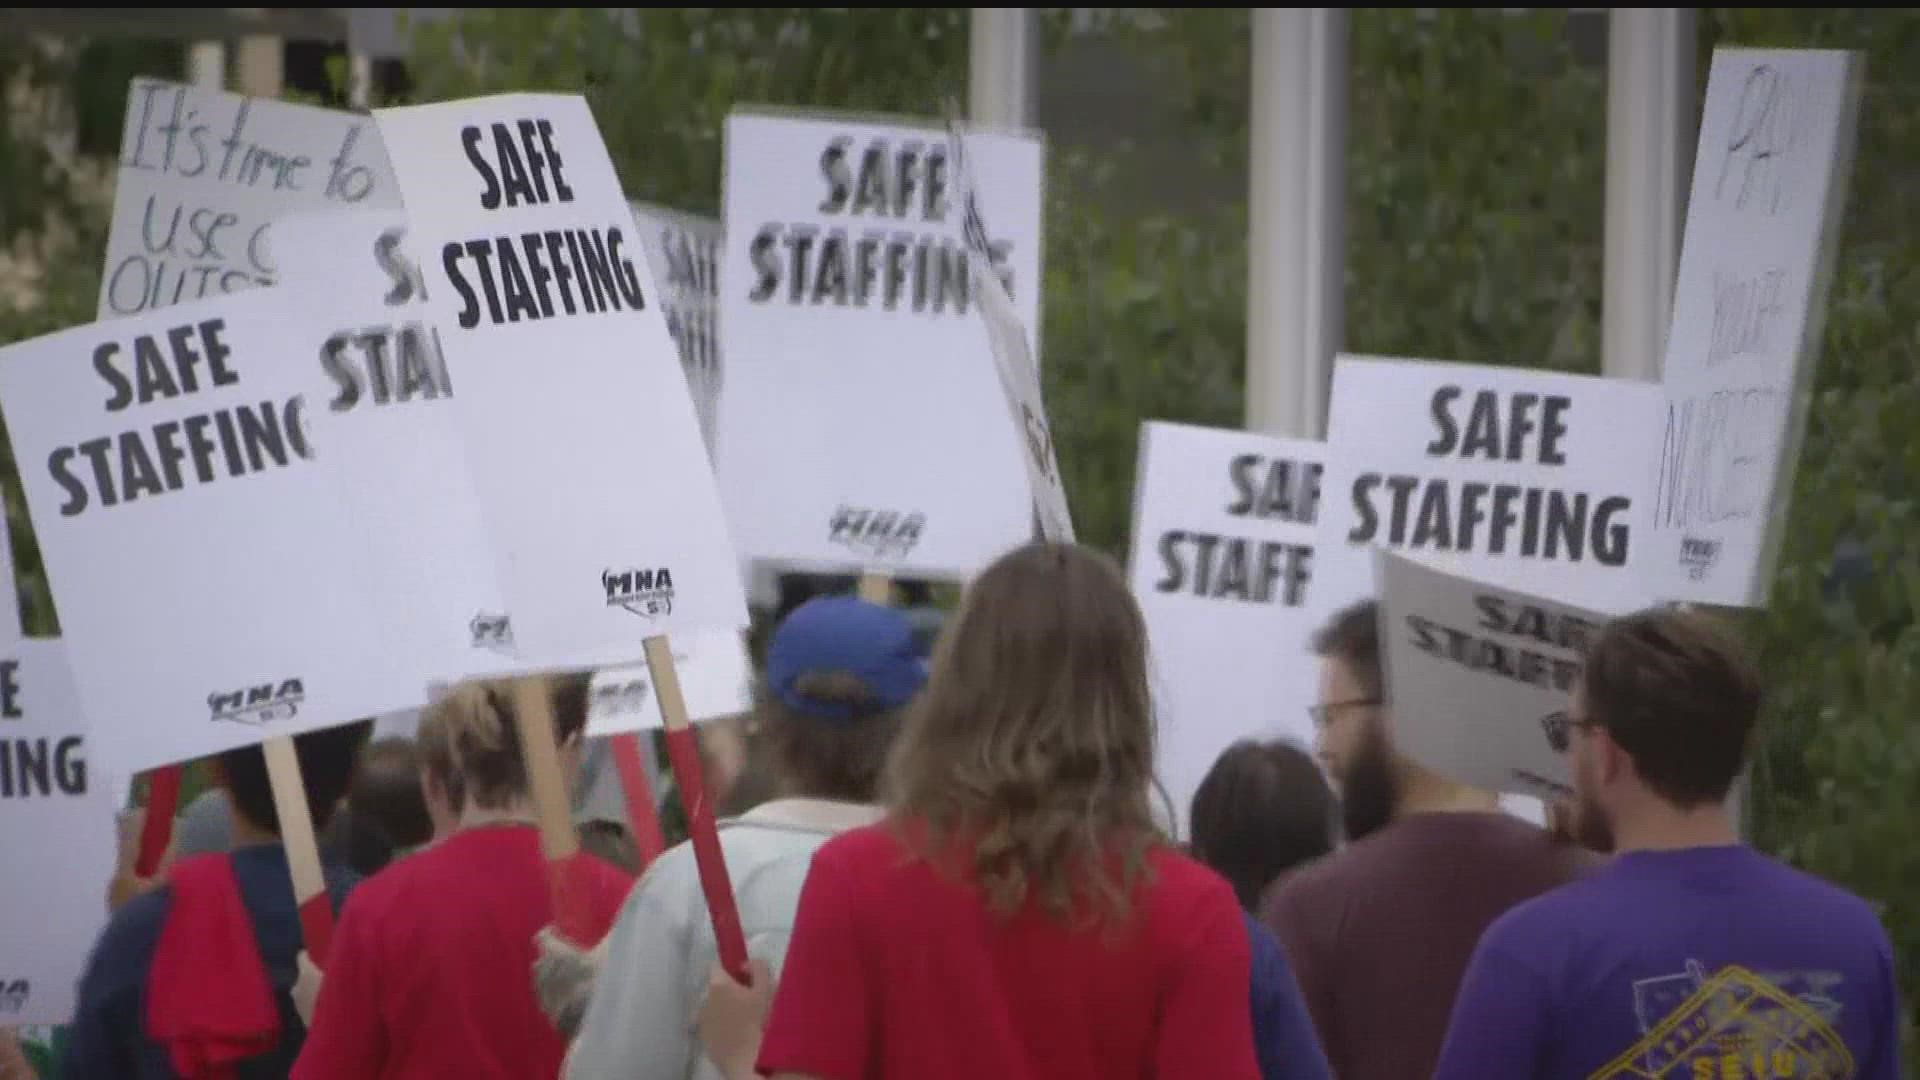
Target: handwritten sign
(202,175)
(1535,479)
(383,406)
(1012,357)
(1763,223)
(716,677)
(861,429)
(192,533)
(580,432)
(1484,673)
(684,252)
(1223,565)
(57,829)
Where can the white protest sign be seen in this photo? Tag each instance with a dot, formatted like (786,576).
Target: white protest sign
(683,251)
(1763,223)
(862,428)
(583,442)
(193,536)
(382,406)
(1012,355)
(1479,677)
(716,677)
(202,173)
(1536,479)
(1223,563)
(57,835)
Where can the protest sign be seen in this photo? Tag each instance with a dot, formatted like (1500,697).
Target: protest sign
(1763,223)
(57,829)
(383,407)
(193,537)
(683,251)
(1223,564)
(1537,479)
(202,174)
(1012,355)
(715,674)
(862,428)
(580,432)
(1479,677)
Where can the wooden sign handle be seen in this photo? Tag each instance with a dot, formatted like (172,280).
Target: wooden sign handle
(876,587)
(303,852)
(533,724)
(684,753)
(642,816)
(163,802)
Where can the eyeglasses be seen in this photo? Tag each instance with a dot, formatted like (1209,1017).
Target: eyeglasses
(1559,727)
(1322,715)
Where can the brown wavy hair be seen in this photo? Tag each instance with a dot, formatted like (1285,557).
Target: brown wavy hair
(1029,756)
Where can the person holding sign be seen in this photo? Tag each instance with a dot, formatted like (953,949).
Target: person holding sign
(1691,954)
(1379,933)
(1019,914)
(428,971)
(840,674)
(196,976)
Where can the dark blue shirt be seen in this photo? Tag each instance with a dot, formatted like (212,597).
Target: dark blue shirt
(1283,1037)
(107,1040)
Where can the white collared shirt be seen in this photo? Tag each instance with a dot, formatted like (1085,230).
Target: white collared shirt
(654,964)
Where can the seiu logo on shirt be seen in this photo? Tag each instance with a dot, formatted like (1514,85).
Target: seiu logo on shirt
(877,533)
(646,591)
(260,704)
(13,996)
(1731,1024)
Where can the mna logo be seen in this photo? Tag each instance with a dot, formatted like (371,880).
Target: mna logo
(13,996)
(1698,556)
(877,533)
(258,705)
(619,697)
(647,593)
(1559,729)
(492,631)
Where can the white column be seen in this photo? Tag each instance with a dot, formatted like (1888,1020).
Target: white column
(260,66)
(207,65)
(359,80)
(1650,126)
(1296,242)
(1003,66)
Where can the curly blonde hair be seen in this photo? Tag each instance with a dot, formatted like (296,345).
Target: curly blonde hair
(1029,757)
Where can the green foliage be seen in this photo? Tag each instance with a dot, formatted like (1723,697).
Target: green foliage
(1474,212)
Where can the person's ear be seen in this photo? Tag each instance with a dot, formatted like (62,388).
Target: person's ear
(1615,765)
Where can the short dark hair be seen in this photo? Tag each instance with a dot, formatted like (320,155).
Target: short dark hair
(387,793)
(825,758)
(1263,809)
(1352,637)
(1680,695)
(327,758)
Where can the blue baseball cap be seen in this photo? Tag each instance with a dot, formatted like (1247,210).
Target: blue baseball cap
(875,644)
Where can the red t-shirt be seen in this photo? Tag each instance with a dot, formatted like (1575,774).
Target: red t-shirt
(430,973)
(897,971)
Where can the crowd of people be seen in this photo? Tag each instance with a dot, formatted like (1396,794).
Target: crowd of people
(957,867)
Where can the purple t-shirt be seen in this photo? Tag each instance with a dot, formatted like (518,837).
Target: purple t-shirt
(1710,963)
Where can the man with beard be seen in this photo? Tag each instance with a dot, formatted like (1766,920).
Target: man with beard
(1380,932)
(1691,954)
